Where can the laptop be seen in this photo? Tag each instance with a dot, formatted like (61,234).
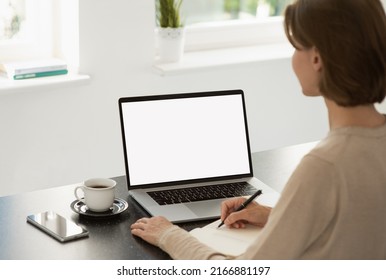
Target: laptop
(186,153)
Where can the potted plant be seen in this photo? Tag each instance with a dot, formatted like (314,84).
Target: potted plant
(171,31)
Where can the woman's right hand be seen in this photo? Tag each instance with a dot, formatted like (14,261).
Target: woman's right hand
(254,213)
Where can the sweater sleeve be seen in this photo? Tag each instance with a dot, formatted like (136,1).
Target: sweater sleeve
(181,245)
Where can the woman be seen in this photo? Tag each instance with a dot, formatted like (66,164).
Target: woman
(334,204)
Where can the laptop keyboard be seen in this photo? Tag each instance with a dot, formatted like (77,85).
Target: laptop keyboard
(192,194)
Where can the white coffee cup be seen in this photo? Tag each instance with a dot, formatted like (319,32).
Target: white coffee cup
(99,194)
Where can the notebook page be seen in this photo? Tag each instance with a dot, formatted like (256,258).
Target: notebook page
(229,241)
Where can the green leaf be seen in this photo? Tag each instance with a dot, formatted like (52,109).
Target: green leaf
(168,13)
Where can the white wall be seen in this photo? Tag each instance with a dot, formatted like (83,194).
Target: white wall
(52,137)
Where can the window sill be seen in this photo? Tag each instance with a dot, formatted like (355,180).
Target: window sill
(212,59)
(10,86)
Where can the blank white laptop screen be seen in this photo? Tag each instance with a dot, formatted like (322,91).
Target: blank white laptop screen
(185,137)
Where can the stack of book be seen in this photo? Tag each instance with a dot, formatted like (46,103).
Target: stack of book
(33,69)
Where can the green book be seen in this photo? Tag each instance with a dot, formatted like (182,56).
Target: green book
(40,74)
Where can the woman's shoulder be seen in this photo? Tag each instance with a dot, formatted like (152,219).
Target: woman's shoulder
(349,143)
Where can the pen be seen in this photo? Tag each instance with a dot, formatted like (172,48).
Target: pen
(245,204)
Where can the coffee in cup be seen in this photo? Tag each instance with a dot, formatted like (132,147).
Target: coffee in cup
(99,194)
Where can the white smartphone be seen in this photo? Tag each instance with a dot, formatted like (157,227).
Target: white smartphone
(57,226)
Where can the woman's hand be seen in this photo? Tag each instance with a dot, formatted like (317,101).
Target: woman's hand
(254,213)
(150,229)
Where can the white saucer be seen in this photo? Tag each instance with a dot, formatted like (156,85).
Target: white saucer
(118,207)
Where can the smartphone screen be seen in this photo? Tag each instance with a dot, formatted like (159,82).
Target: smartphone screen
(57,226)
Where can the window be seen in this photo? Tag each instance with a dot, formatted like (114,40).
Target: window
(12,19)
(215,24)
(32,29)
(196,11)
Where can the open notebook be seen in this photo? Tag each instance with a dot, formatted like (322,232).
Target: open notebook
(231,241)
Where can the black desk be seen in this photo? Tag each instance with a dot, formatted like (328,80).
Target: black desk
(109,239)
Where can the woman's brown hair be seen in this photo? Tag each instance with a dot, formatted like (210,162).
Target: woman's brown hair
(350,36)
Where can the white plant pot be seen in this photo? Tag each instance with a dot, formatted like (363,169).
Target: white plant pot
(171,44)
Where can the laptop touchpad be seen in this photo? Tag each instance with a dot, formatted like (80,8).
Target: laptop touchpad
(206,208)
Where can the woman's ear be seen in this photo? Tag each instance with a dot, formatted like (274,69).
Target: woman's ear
(317,63)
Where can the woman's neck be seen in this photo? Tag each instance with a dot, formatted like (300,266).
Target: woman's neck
(362,116)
